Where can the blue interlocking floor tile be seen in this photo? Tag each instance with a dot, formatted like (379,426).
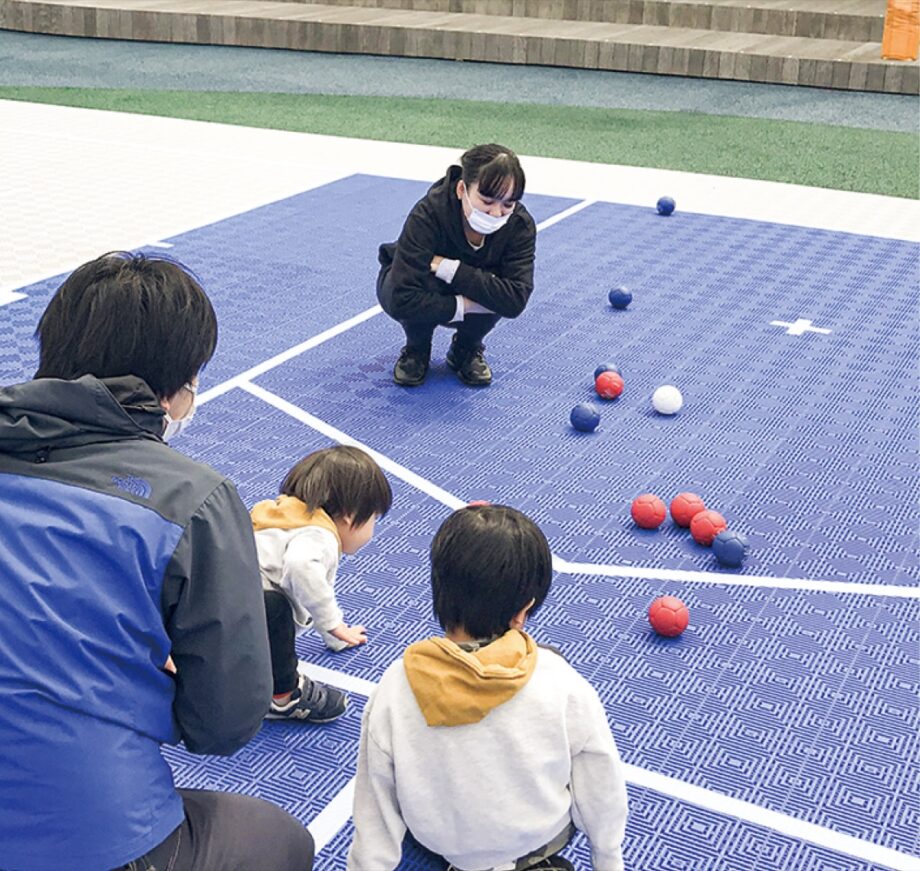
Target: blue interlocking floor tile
(297,766)
(781,433)
(750,696)
(799,701)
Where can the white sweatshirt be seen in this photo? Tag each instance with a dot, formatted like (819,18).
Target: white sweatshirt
(484,794)
(302,564)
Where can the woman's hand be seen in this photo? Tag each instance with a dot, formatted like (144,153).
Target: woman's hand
(436,262)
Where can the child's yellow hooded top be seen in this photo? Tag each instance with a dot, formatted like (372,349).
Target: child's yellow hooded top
(454,688)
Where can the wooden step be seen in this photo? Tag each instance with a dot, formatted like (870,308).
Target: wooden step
(462,36)
(850,20)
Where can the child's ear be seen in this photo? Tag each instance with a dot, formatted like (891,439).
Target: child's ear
(519,619)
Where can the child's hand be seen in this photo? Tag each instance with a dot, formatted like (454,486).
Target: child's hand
(351,635)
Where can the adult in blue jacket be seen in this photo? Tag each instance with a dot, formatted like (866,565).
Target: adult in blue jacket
(132,608)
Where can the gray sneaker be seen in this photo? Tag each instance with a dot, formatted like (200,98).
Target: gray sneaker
(312,702)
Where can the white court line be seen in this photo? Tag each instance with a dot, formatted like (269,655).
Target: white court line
(779,822)
(564,566)
(337,678)
(337,813)
(244,377)
(561,216)
(329,821)
(730,580)
(337,435)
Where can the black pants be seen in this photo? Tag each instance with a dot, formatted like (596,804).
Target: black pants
(419,331)
(230,832)
(281,634)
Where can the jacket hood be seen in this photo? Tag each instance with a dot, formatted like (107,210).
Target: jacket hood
(54,413)
(289,512)
(456,688)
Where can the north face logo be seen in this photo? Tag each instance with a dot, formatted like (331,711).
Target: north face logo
(135,486)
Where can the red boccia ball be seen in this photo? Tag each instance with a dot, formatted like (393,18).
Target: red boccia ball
(648,511)
(706,525)
(609,385)
(668,616)
(684,506)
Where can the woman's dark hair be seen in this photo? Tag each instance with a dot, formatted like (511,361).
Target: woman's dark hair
(128,314)
(343,481)
(487,563)
(493,166)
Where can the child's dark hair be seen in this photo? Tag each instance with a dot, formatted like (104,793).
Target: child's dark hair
(343,481)
(492,166)
(128,314)
(487,563)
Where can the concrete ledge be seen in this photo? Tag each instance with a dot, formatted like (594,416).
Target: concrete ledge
(829,63)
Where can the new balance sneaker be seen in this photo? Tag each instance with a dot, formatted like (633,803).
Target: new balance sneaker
(312,702)
(412,366)
(552,863)
(470,366)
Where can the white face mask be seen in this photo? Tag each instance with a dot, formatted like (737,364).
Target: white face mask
(483,222)
(175,428)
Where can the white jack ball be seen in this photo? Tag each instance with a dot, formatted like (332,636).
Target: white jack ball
(667,399)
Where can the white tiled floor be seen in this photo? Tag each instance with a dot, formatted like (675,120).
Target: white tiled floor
(78,182)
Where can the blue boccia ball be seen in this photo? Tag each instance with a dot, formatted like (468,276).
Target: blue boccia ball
(584,417)
(606,367)
(730,548)
(666,205)
(619,297)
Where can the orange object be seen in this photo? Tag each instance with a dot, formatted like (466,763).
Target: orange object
(901,38)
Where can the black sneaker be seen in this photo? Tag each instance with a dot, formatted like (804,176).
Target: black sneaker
(470,366)
(552,863)
(312,702)
(412,366)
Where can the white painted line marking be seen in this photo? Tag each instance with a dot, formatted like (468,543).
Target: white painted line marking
(332,332)
(329,821)
(160,245)
(561,216)
(338,811)
(800,327)
(337,678)
(242,379)
(561,565)
(337,435)
(783,823)
(731,580)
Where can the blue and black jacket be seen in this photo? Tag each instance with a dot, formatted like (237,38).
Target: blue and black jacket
(115,553)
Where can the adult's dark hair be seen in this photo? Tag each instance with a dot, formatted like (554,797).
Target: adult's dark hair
(487,563)
(493,167)
(128,314)
(343,481)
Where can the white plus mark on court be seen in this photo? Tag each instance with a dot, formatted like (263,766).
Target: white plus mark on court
(799,328)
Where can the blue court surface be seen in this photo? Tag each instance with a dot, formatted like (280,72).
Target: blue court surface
(793,696)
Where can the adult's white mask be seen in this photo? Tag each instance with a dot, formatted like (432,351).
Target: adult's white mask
(483,222)
(175,428)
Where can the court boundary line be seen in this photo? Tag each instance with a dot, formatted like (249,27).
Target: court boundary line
(333,818)
(344,326)
(561,565)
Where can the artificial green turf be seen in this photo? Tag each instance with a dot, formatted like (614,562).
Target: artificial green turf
(844,158)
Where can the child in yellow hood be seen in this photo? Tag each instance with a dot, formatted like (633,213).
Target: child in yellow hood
(490,749)
(329,504)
